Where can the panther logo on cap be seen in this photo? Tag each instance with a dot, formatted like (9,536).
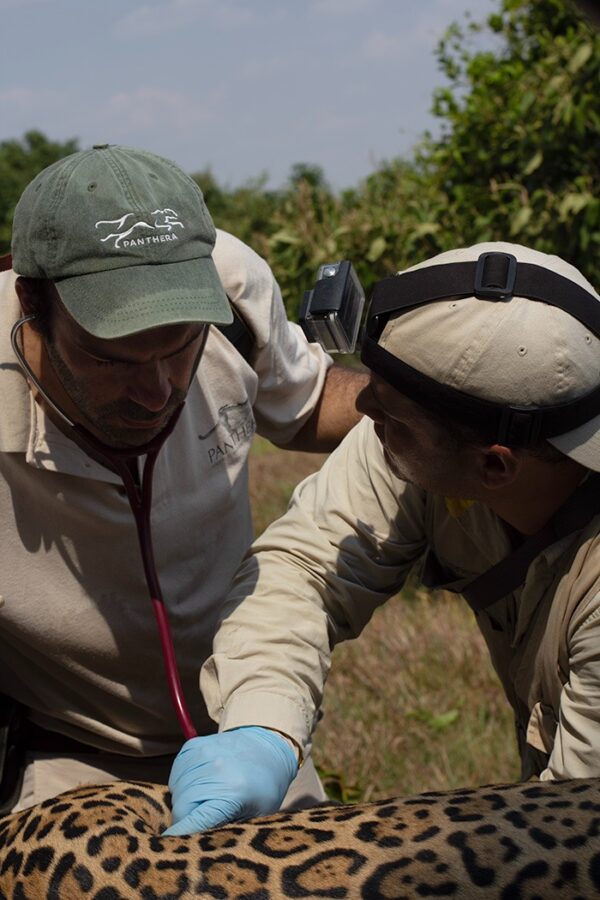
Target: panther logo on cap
(165,221)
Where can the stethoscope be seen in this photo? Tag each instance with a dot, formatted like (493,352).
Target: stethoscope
(139,494)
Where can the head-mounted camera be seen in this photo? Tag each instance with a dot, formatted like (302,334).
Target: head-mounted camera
(493,277)
(331,315)
(331,312)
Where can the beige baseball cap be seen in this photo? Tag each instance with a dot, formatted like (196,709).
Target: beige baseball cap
(521,352)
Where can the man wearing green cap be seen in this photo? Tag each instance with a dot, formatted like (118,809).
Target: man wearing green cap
(118,281)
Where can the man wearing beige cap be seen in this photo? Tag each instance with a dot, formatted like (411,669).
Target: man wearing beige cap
(476,460)
(113,312)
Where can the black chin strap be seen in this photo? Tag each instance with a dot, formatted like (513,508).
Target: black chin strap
(506,424)
(510,573)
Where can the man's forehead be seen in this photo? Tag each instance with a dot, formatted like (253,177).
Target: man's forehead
(138,340)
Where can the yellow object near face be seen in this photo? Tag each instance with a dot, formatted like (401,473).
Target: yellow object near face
(456,507)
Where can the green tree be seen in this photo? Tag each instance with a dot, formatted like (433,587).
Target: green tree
(246,211)
(304,233)
(518,155)
(517,159)
(309,172)
(20,161)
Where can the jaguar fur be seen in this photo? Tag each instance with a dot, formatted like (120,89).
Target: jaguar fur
(531,840)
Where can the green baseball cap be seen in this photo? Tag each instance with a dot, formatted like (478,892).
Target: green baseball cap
(126,238)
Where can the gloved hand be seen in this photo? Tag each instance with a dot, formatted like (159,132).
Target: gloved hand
(232,775)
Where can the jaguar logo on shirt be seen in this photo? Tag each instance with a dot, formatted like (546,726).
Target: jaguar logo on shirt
(131,231)
(237,421)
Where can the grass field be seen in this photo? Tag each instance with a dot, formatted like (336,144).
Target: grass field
(413,704)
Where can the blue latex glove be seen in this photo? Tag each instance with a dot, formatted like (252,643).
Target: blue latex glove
(233,775)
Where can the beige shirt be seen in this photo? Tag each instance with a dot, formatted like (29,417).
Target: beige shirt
(78,639)
(352,534)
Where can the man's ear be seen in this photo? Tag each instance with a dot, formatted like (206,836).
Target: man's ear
(34,300)
(24,291)
(498,466)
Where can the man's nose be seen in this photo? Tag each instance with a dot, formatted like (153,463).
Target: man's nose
(150,386)
(366,405)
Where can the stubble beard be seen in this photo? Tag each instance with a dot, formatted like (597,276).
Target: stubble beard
(101,418)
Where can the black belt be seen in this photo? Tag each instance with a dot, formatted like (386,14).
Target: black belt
(40,740)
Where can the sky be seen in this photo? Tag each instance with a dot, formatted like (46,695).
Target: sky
(242,87)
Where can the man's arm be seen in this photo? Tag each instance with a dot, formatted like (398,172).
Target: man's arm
(576,752)
(314,578)
(335,413)
(302,401)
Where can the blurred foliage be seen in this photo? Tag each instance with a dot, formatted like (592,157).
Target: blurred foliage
(245,211)
(516,159)
(337,789)
(20,161)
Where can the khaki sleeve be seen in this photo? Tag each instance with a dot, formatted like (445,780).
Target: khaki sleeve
(576,751)
(314,578)
(291,371)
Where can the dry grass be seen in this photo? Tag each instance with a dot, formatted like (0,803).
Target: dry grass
(273,476)
(413,704)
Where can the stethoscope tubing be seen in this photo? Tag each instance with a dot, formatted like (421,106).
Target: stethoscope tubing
(140,501)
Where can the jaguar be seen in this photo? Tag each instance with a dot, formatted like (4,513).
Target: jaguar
(529,840)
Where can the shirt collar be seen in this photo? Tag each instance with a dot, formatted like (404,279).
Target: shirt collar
(24,426)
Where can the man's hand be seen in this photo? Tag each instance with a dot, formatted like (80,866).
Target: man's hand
(233,775)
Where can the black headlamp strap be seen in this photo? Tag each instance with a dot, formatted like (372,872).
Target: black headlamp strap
(494,276)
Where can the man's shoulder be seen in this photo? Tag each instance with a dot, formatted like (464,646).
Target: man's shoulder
(241,270)
(7,282)
(9,306)
(14,393)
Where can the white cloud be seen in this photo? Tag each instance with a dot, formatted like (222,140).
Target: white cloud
(128,117)
(17,97)
(382,47)
(435,18)
(152,18)
(30,102)
(156,108)
(329,120)
(422,33)
(14,4)
(158,17)
(342,7)
(267,67)
(236,15)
